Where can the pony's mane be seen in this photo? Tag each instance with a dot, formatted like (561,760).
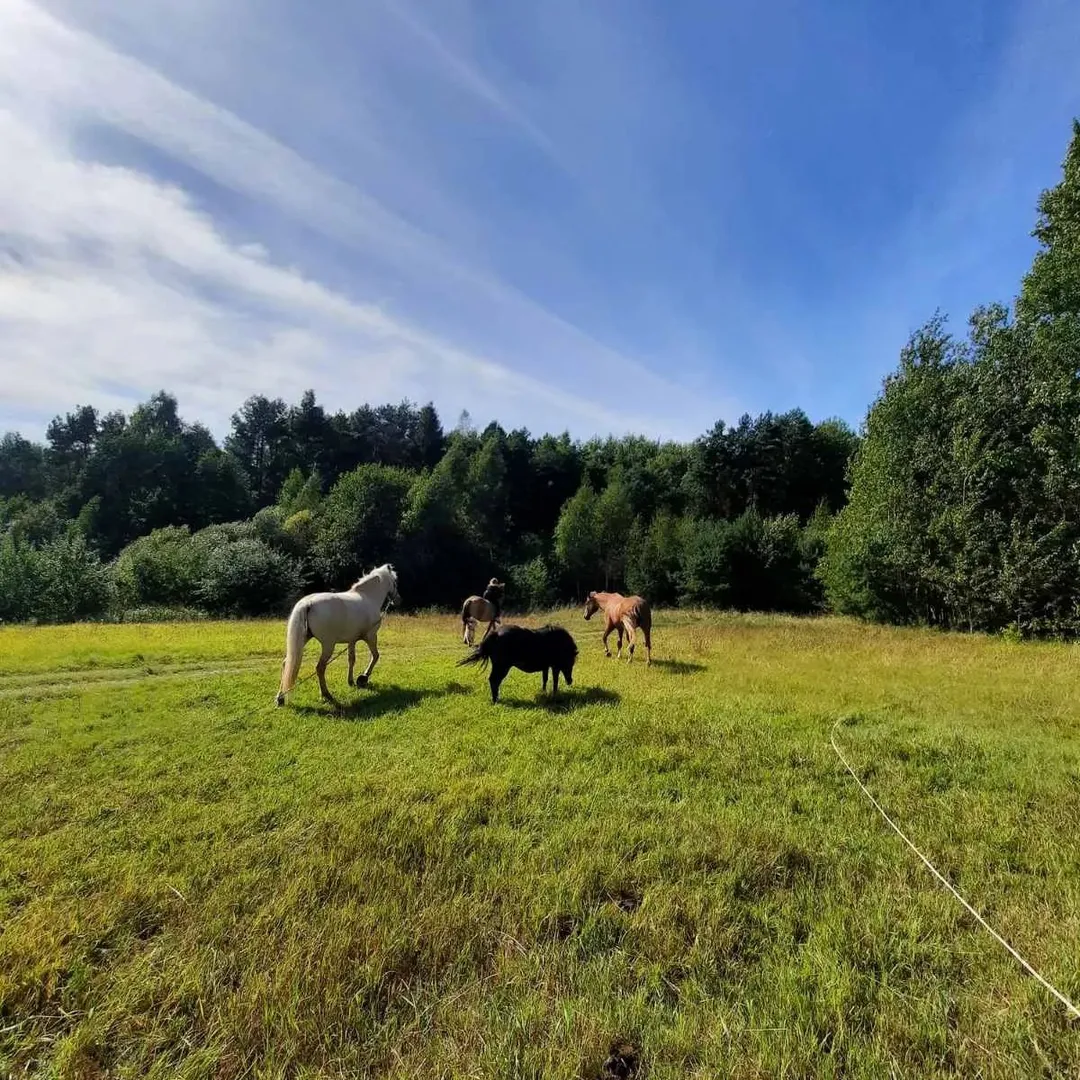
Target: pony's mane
(371,577)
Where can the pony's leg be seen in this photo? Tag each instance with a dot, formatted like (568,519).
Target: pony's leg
(494,680)
(648,646)
(554,682)
(352,660)
(372,643)
(543,680)
(320,671)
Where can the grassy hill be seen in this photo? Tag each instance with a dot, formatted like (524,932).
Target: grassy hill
(194,883)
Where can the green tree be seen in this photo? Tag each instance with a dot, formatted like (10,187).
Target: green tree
(614,518)
(357,524)
(22,468)
(1051,288)
(260,442)
(654,557)
(577,542)
(884,557)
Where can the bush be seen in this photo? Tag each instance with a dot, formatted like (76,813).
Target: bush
(532,585)
(164,568)
(20,580)
(705,566)
(61,581)
(751,563)
(77,584)
(227,569)
(248,578)
(300,529)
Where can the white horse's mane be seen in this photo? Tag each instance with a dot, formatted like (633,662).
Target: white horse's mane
(378,574)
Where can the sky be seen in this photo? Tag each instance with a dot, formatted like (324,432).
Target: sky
(609,217)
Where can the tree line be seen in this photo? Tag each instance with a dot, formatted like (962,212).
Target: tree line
(132,512)
(958,504)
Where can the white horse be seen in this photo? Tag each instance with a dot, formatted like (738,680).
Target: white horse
(335,618)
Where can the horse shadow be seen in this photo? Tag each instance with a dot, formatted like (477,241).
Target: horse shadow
(567,701)
(379,700)
(679,667)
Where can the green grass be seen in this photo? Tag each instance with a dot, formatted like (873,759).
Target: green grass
(194,883)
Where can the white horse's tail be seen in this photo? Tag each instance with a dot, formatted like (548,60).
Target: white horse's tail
(296,637)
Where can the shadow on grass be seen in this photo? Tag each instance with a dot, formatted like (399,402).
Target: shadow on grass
(378,699)
(679,667)
(567,700)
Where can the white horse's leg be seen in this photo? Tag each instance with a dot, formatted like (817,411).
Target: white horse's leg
(352,660)
(320,670)
(372,642)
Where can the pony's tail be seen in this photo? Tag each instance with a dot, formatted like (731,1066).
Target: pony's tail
(481,654)
(296,635)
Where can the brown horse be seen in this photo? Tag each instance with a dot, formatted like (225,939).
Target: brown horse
(628,613)
(486,608)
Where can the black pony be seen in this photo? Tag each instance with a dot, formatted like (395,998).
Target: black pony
(550,648)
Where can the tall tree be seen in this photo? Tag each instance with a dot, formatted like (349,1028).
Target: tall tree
(357,524)
(614,514)
(71,438)
(22,468)
(259,440)
(1052,287)
(577,543)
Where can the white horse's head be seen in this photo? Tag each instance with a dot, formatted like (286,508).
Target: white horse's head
(389,575)
(381,583)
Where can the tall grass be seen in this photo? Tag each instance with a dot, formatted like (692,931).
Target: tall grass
(196,884)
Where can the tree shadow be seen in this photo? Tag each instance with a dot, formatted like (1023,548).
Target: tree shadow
(567,700)
(679,667)
(374,701)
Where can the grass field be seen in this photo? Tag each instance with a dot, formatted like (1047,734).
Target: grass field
(194,883)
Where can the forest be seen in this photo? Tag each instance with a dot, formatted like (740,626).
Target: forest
(957,505)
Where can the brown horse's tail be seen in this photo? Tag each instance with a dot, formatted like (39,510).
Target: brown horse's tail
(645,623)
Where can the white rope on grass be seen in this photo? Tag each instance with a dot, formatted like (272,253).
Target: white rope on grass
(933,870)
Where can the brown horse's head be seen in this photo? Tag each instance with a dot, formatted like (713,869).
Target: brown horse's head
(592,606)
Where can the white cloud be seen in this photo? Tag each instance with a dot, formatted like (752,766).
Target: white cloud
(121,281)
(114,281)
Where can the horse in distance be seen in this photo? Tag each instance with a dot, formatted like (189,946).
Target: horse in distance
(486,608)
(338,618)
(624,614)
(551,648)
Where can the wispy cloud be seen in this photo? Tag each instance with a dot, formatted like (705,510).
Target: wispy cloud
(549,213)
(117,278)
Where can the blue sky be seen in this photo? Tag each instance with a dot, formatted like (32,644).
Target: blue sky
(607,217)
